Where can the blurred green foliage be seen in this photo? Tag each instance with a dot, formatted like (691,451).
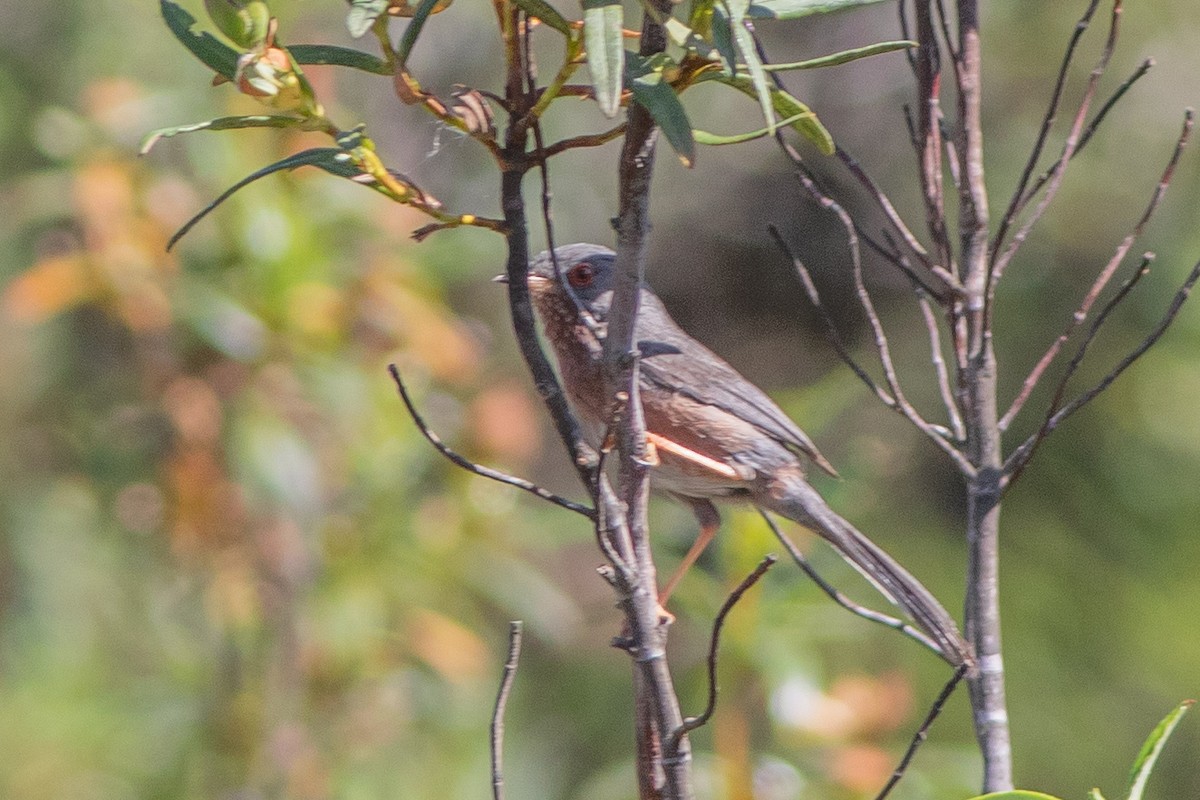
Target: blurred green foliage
(230,567)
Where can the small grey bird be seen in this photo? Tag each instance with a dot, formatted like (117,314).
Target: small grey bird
(717,436)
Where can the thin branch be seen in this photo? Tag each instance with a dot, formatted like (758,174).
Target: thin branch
(510,672)
(841,599)
(939,367)
(1019,198)
(831,332)
(1105,275)
(922,732)
(1081,351)
(928,135)
(478,469)
(692,723)
(1001,259)
(586,140)
(1021,455)
(893,217)
(1093,126)
(902,405)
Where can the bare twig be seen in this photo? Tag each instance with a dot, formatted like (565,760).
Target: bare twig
(692,723)
(1094,125)
(586,140)
(1019,198)
(939,367)
(841,599)
(497,739)
(478,469)
(831,332)
(922,732)
(1002,258)
(901,404)
(1021,455)
(1104,277)
(927,70)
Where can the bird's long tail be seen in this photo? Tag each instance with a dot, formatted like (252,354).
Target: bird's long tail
(792,497)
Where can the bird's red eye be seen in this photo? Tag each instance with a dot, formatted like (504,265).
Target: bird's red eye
(581,275)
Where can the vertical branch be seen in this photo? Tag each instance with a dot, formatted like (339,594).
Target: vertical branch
(665,766)
(978,386)
(506,681)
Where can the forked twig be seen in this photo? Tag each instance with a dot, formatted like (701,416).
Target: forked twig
(882,347)
(922,732)
(1104,277)
(1019,197)
(1002,258)
(1020,456)
(1093,126)
(479,469)
(692,723)
(831,331)
(841,599)
(497,730)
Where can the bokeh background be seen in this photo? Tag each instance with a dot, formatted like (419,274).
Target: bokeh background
(231,568)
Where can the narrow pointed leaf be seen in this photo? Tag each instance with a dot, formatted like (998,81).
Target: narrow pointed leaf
(219,57)
(748,54)
(844,57)
(546,13)
(220,124)
(713,139)
(793,9)
(700,15)
(786,106)
(1144,763)
(363,14)
(331,159)
(424,9)
(339,57)
(605,52)
(656,95)
(722,36)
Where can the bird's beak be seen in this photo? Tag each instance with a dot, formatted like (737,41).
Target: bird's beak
(501,278)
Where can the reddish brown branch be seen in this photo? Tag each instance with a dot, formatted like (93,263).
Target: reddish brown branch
(1019,198)
(1001,260)
(1020,456)
(1102,280)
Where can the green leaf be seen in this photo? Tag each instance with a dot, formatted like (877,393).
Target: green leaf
(1094,794)
(1019,794)
(843,57)
(700,15)
(602,20)
(722,36)
(1144,763)
(546,13)
(363,14)
(245,22)
(330,159)
(748,54)
(652,92)
(785,106)
(413,31)
(794,9)
(339,57)
(219,57)
(220,124)
(704,137)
